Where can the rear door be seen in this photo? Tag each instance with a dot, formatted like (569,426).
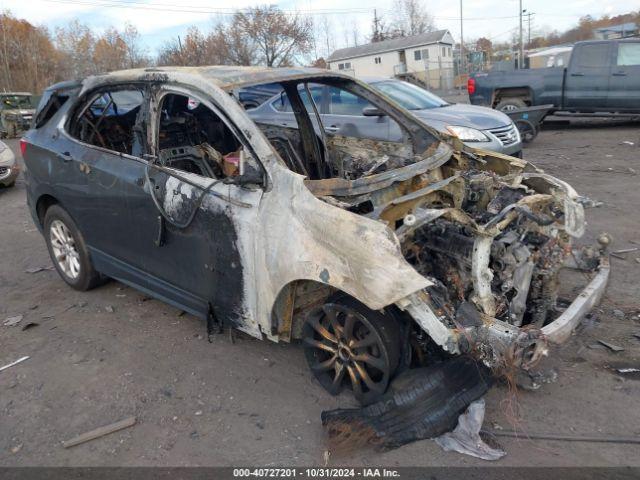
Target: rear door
(587,80)
(103,145)
(624,84)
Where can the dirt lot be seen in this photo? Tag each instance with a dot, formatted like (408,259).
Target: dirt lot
(101,356)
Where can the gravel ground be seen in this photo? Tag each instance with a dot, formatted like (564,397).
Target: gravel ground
(101,356)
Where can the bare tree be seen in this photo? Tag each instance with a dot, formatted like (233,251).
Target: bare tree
(232,46)
(278,37)
(137,55)
(326,36)
(28,59)
(410,18)
(76,42)
(110,51)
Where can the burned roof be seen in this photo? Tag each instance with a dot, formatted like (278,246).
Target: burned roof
(388,45)
(229,77)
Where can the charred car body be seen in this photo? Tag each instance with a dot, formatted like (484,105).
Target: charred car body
(372,253)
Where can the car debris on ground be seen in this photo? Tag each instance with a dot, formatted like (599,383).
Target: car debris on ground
(420,403)
(11,321)
(465,438)
(611,346)
(565,438)
(100,432)
(38,269)
(20,360)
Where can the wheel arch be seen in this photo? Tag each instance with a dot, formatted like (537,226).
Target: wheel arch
(298,297)
(292,304)
(524,93)
(44,202)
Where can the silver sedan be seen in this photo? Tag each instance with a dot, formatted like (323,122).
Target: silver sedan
(9,168)
(478,127)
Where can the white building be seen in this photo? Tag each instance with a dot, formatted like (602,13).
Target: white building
(427,57)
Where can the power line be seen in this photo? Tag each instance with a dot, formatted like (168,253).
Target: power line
(175,8)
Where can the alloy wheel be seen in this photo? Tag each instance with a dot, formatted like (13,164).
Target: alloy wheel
(343,348)
(64,249)
(509,108)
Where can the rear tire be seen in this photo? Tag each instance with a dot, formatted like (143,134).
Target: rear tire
(349,345)
(68,250)
(509,104)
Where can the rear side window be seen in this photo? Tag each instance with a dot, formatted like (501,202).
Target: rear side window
(282,103)
(628,54)
(108,121)
(593,56)
(342,102)
(49,107)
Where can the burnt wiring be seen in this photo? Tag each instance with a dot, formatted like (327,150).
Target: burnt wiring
(198,201)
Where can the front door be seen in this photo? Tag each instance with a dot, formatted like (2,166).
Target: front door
(194,214)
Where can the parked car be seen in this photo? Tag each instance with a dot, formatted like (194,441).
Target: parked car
(16,112)
(9,168)
(478,127)
(377,255)
(602,76)
(254,96)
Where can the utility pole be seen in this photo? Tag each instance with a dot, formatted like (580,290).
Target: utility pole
(521,55)
(529,27)
(376,29)
(181,53)
(462,65)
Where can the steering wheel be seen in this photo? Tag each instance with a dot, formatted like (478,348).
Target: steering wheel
(94,129)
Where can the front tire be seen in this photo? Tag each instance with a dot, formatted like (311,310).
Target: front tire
(347,345)
(68,250)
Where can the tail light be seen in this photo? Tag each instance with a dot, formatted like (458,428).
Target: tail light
(23,146)
(471,86)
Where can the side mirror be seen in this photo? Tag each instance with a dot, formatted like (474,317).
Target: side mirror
(373,112)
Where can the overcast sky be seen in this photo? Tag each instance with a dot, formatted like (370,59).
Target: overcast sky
(160,20)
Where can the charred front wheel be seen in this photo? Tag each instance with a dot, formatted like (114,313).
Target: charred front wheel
(348,345)
(68,250)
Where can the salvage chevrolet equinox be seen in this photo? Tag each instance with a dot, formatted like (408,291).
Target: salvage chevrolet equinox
(378,256)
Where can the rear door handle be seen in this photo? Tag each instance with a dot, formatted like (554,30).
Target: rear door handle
(577,74)
(65,157)
(332,128)
(619,74)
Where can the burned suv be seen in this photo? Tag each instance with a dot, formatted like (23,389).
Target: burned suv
(377,256)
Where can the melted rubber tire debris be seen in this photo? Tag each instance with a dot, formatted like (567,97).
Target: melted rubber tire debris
(420,403)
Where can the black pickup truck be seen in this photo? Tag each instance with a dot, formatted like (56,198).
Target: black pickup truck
(602,76)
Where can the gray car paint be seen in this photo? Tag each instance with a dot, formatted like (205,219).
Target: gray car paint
(480,118)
